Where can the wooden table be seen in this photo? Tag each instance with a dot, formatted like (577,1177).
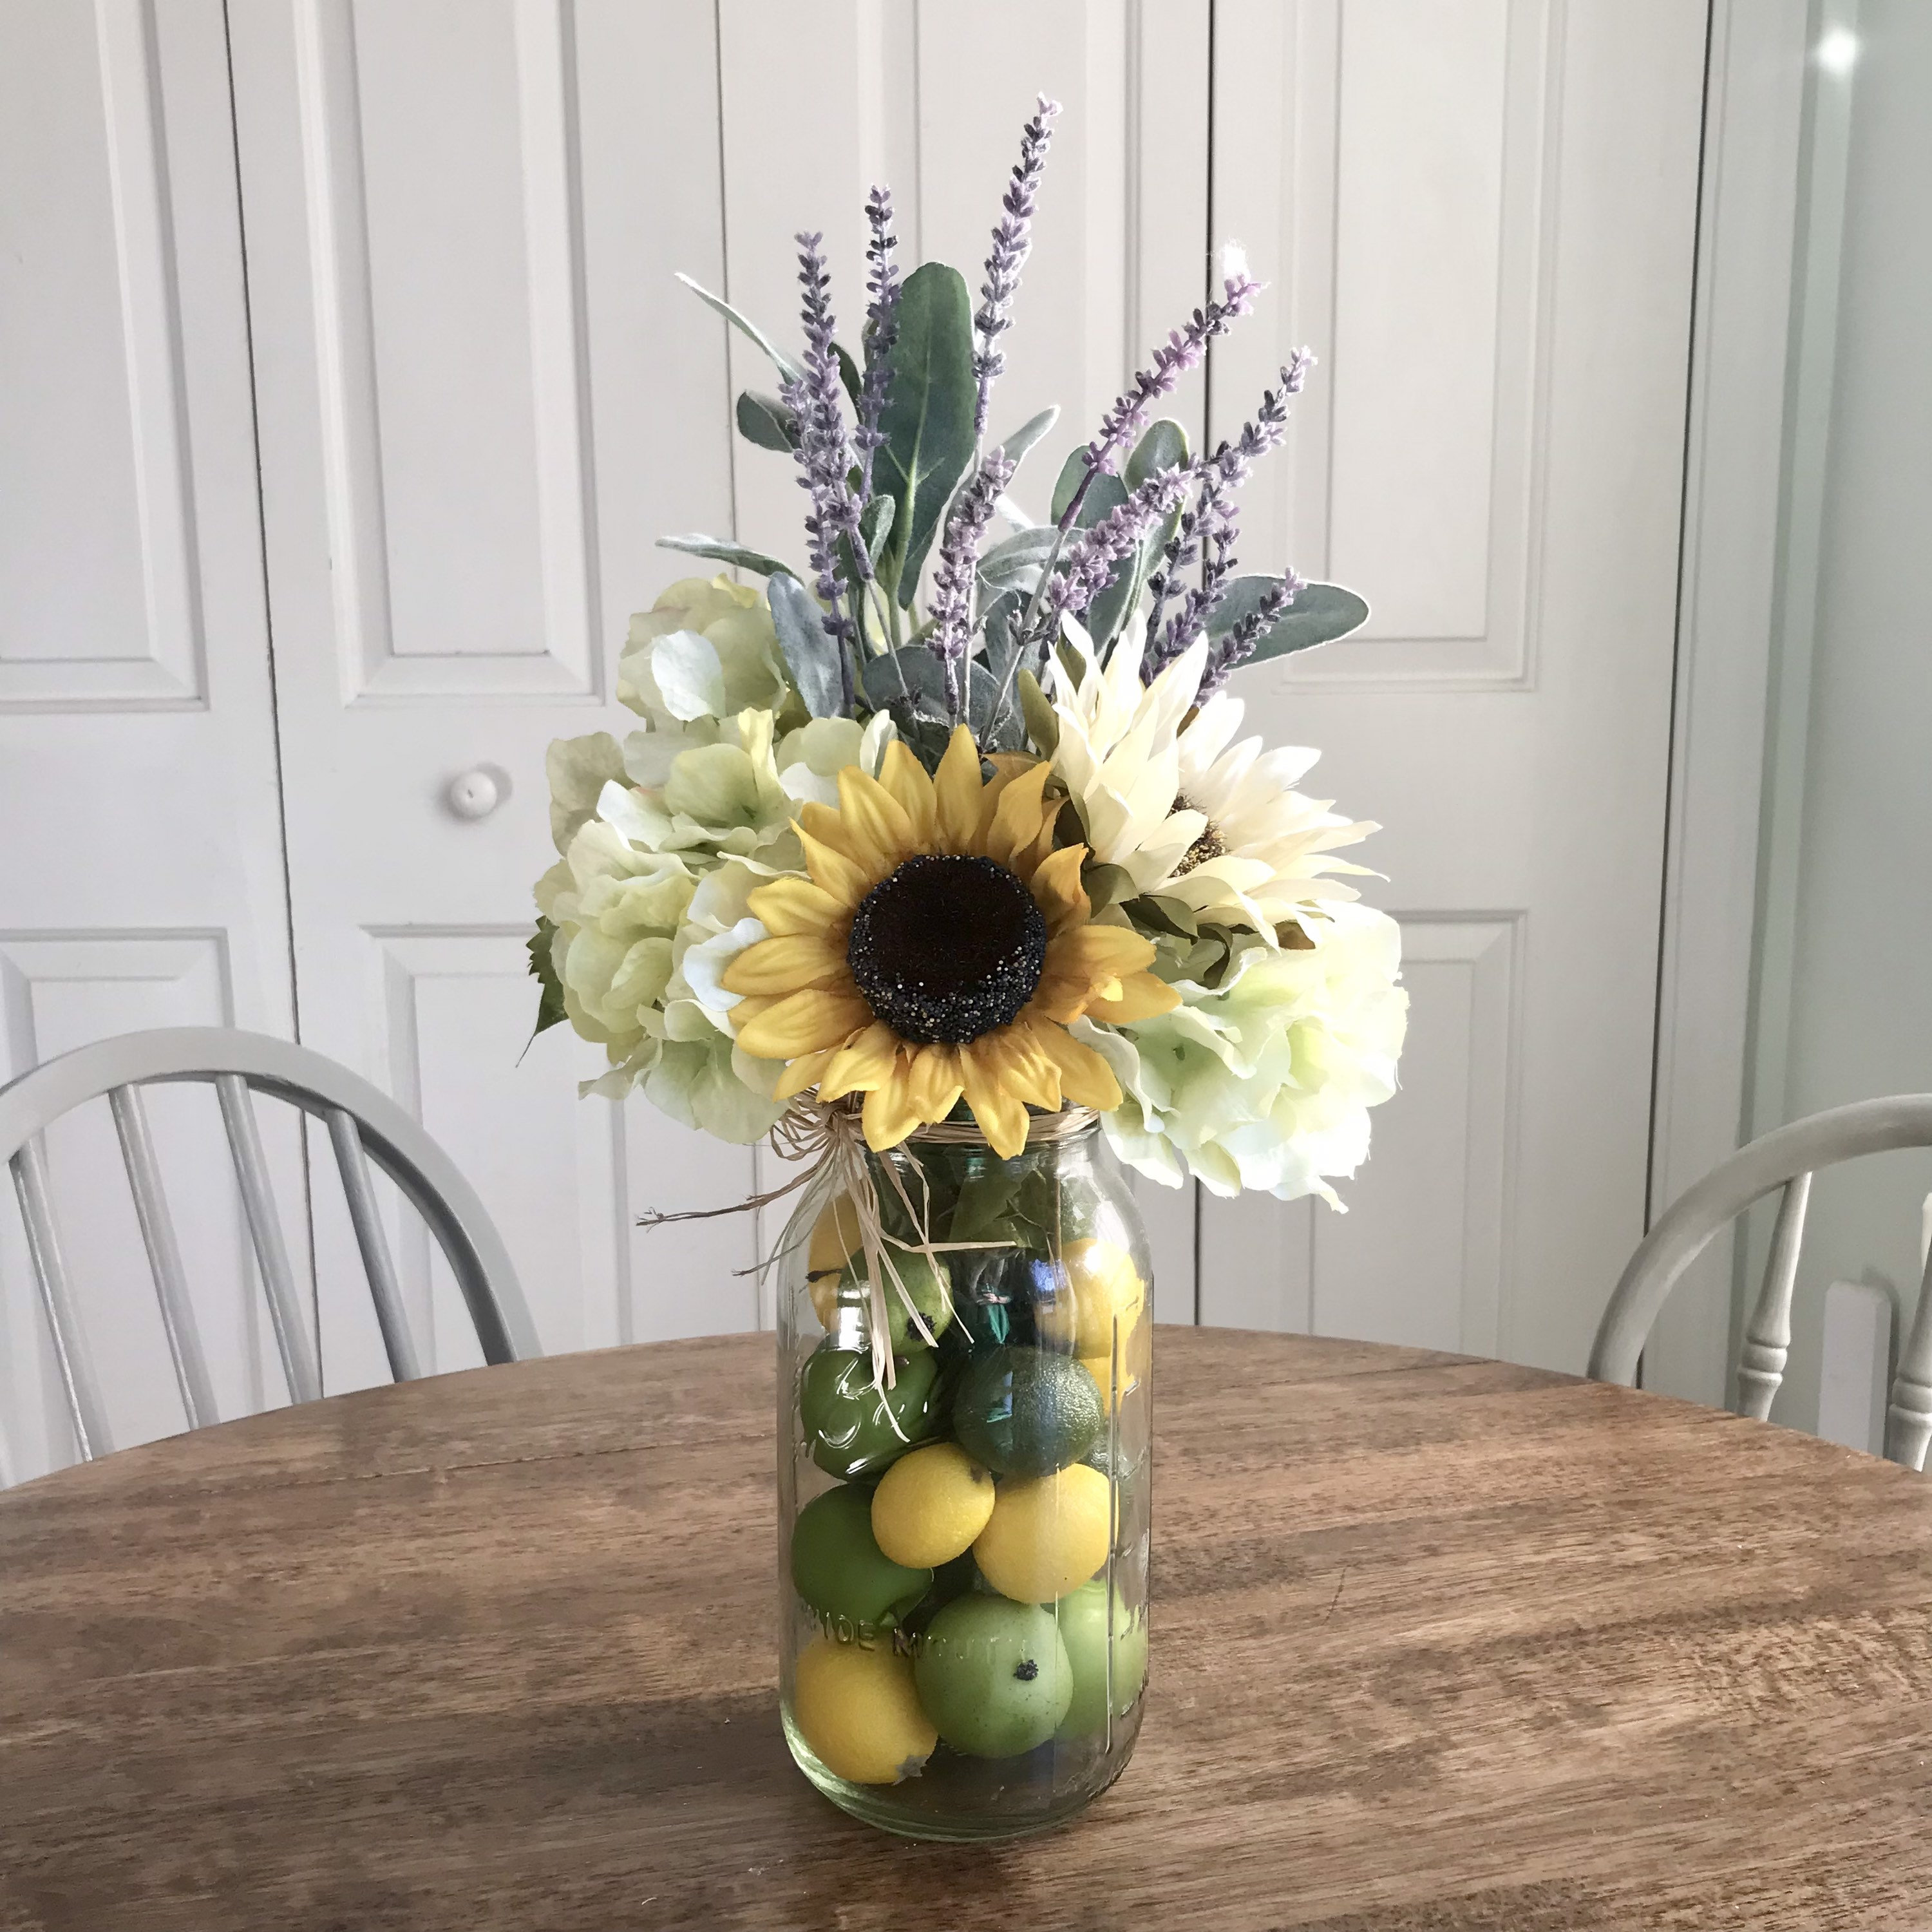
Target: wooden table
(1437,1643)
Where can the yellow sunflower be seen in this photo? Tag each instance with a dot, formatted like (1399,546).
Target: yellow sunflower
(940,946)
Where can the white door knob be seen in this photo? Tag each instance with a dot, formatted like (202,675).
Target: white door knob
(475,795)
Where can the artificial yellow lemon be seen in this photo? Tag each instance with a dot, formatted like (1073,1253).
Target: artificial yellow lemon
(860,1713)
(1106,1288)
(936,1500)
(1114,1379)
(1046,1536)
(835,1240)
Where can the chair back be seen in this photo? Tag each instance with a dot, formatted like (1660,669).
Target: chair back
(363,1123)
(1786,1158)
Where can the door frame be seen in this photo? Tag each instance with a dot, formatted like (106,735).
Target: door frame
(1761,357)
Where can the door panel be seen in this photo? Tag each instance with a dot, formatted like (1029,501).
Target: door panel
(1492,451)
(141,877)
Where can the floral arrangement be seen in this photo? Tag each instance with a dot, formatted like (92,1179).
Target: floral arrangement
(959,811)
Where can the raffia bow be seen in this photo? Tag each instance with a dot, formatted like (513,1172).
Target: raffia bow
(830,1136)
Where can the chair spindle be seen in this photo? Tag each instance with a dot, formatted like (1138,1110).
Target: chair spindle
(353,1165)
(286,1311)
(164,1260)
(1908,1419)
(1768,1338)
(85,1410)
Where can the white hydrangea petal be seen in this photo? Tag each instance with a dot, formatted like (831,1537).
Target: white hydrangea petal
(689,677)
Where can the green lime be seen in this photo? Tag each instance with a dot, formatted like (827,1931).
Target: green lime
(842,1572)
(1026,1412)
(1083,1621)
(922,1278)
(854,1429)
(993,1675)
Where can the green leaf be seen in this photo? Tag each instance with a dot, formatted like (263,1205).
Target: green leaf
(1106,493)
(550,997)
(848,372)
(786,367)
(1172,916)
(1024,550)
(986,1200)
(909,675)
(1164,446)
(928,419)
(1030,432)
(765,421)
(875,524)
(1042,721)
(1320,614)
(810,652)
(721,550)
(1106,885)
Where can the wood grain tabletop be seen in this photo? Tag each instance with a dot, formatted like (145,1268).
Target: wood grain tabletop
(1437,1643)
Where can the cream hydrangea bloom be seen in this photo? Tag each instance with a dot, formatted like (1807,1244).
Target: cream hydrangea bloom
(1266,1081)
(649,907)
(704,651)
(1217,827)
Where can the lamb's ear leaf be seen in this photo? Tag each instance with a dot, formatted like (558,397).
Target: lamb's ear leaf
(811,652)
(722,549)
(786,367)
(765,421)
(1320,614)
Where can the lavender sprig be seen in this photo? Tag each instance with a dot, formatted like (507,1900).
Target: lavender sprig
(1209,529)
(1013,241)
(882,332)
(1181,352)
(1238,646)
(1088,563)
(824,455)
(953,581)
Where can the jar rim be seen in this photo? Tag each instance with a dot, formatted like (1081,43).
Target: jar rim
(1042,1129)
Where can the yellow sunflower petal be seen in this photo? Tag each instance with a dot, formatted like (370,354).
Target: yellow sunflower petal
(1017,818)
(1104,951)
(848,837)
(1085,1078)
(861,1064)
(905,778)
(804,1022)
(801,1073)
(795,905)
(1057,890)
(1002,1115)
(935,1082)
(889,1115)
(956,793)
(832,871)
(874,820)
(1140,997)
(785,964)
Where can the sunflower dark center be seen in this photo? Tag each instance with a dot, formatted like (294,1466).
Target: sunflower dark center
(1209,845)
(947,948)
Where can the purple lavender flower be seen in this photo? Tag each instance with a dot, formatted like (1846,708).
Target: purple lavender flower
(882,332)
(1012,241)
(952,583)
(1182,351)
(824,455)
(1208,530)
(1238,646)
(1088,562)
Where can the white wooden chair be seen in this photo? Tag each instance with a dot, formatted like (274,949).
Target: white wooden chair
(1786,1159)
(362,1123)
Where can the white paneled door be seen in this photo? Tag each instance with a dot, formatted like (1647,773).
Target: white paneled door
(478,396)
(141,880)
(1482,214)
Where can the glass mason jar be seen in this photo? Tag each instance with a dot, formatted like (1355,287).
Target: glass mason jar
(963,1554)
